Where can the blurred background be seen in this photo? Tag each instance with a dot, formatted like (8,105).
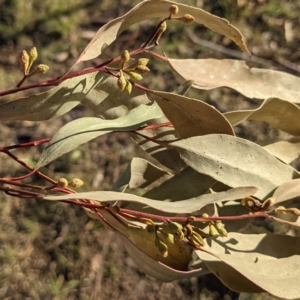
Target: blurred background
(53,250)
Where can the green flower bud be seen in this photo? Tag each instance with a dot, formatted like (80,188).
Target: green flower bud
(174,9)
(134,75)
(33,54)
(196,239)
(41,69)
(62,183)
(125,57)
(121,81)
(24,60)
(128,87)
(76,183)
(187,18)
(141,69)
(162,247)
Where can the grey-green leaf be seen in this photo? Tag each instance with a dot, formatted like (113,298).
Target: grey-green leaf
(184,206)
(55,102)
(184,185)
(235,162)
(82,130)
(280,114)
(235,74)
(156,9)
(191,117)
(286,151)
(256,263)
(140,173)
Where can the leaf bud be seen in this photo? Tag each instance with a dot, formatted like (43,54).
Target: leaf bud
(125,57)
(62,183)
(40,69)
(76,183)
(187,18)
(24,59)
(174,9)
(128,87)
(122,82)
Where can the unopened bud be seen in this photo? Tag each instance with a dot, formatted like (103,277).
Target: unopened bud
(174,9)
(161,30)
(76,183)
(134,75)
(32,56)
(162,247)
(212,230)
(196,240)
(122,82)
(125,57)
(187,18)
(221,229)
(41,69)
(24,59)
(128,87)
(142,69)
(62,183)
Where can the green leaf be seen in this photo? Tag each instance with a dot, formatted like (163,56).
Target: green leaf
(156,9)
(83,130)
(280,114)
(235,74)
(191,117)
(184,206)
(54,102)
(256,263)
(234,162)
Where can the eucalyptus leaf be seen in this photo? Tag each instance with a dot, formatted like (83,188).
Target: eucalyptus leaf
(191,117)
(289,190)
(235,74)
(53,103)
(140,173)
(156,9)
(280,114)
(111,103)
(234,162)
(83,130)
(287,151)
(184,206)
(186,184)
(157,269)
(256,263)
